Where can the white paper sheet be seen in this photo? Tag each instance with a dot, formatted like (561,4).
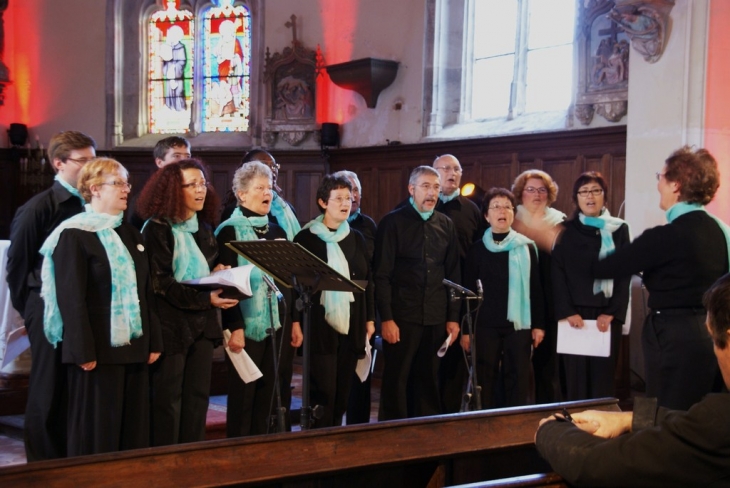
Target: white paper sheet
(444,347)
(17,343)
(247,369)
(238,277)
(588,341)
(363,365)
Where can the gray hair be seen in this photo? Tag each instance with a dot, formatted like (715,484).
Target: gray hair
(246,173)
(421,170)
(349,175)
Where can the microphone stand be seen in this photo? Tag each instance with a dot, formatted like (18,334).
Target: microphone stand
(271,331)
(473,397)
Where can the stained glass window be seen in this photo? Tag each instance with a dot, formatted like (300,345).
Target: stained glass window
(226,44)
(170,39)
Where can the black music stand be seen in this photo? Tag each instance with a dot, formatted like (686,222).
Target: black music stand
(295,267)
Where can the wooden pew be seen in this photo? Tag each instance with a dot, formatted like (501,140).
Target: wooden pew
(432,451)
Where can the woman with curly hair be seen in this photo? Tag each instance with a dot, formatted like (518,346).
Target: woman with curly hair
(679,261)
(249,404)
(98,304)
(535,191)
(180,209)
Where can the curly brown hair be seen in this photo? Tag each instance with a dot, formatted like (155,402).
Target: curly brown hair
(696,173)
(163,198)
(519,185)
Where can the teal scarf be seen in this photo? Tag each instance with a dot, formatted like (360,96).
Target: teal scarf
(336,303)
(126,322)
(285,217)
(73,191)
(353,215)
(681,208)
(424,215)
(606,225)
(255,310)
(518,295)
(188,261)
(448,198)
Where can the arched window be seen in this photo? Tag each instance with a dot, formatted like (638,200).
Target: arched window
(185,67)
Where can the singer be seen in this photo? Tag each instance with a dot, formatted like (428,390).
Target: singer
(249,404)
(341,321)
(511,319)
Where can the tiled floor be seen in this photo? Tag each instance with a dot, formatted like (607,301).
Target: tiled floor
(12,448)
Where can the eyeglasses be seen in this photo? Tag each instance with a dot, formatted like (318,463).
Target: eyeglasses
(81,161)
(531,189)
(508,208)
(450,169)
(428,187)
(196,186)
(659,175)
(121,185)
(341,200)
(595,192)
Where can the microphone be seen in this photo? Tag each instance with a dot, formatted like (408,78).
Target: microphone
(272,287)
(459,288)
(480,289)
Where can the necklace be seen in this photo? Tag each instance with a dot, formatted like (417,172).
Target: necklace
(263,231)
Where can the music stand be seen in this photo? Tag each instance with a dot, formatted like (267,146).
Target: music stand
(295,267)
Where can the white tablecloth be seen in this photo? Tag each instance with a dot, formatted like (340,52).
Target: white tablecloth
(9,318)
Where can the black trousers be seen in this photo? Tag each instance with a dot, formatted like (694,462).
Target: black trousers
(330,380)
(410,377)
(679,358)
(589,377)
(250,405)
(180,394)
(45,412)
(108,408)
(358,405)
(503,366)
(546,366)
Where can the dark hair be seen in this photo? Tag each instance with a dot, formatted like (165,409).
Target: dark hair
(164,145)
(259,155)
(61,145)
(497,192)
(163,198)
(589,177)
(695,172)
(329,183)
(717,302)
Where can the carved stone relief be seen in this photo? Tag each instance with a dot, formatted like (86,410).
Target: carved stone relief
(290,78)
(645,22)
(604,64)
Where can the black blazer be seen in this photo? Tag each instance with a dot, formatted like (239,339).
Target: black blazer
(185,312)
(83,288)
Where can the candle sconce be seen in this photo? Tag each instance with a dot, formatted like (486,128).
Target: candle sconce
(36,173)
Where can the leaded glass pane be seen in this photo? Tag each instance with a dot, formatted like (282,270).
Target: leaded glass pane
(170,87)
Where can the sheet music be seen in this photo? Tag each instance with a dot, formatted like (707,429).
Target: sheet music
(17,344)
(588,341)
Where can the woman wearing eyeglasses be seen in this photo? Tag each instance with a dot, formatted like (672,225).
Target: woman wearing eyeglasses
(341,322)
(535,191)
(679,261)
(97,296)
(180,209)
(591,233)
(511,319)
(249,405)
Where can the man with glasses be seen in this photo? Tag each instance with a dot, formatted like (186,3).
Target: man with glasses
(415,250)
(467,220)
(171,149)
(45,413)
